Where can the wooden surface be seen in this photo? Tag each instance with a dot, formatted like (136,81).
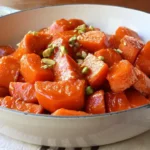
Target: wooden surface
(143,5)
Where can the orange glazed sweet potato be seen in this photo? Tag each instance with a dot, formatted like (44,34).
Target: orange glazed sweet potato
(93,40)
(66,112)
(97,70)
(143,59)
(136,99)
(95,103)
(116,102)
(121,76)
(31,69)
(110,56)
(23,91)
(130,48)
(6,50)
(9,70)
(62,94)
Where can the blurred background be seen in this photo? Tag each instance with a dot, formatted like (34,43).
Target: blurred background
(143,5)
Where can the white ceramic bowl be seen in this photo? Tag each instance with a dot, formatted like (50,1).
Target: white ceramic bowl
(74,131)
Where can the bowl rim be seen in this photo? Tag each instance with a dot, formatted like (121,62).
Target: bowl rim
(74,117)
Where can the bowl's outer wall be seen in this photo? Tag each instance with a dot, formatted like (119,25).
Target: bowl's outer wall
(73,132)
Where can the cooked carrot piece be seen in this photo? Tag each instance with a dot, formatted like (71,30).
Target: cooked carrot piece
(64,25)
(95,104)
(130,48)
(62,94)
(143,59)
(6,50)
(30,67)
(23,91)
(116,102)
(66,68)
(93,40)
(143,82)
(121,76)
(135,98)
(110,56)
(32,43)
(1,100)
(9,70)
(112,41)
(122,31)
(97,70)
(10,102)
(4,92)
(66,112)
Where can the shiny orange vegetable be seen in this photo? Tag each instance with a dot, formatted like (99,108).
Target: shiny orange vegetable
(143,82)
(136,99)
(9,70)
(95,103)
(97,70)
(116,102)
(121,76)
(23,91)
(93,40)
(4,91)
(110,56)
(143,59)
(10,102)
(62,94)
(66,112)
(130,48)
(31,69)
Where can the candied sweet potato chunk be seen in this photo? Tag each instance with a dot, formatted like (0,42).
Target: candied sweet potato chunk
(9,70)
(93,40)
(4,91)
(143,59)
(121,76)
(122,31)
(6,50)
(66,112)
(116,102)
(135,98)
(143,82)
(97,70)
(66,68)
(110,56)
(130,48)
(30,67)
(23,91)
(62,94)
(95,103)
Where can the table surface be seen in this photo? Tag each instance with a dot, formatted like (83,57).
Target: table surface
(24,4)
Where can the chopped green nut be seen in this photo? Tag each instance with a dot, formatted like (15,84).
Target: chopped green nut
(118,51)
(85,70)
(33,33)
(91,27)
(83,54)
(78,54)
(48,52)
(46,66)
(72,41)
(79,61)
(81,28)
(48,62)
(101,58)
(52,46)
(89,90)
(63,50)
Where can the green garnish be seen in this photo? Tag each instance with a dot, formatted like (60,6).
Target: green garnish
(33,33)
(85,70)
(63,50)
(83,54)
(101,58)
(81,29)
(89,90)
(48,52)
(72,41)
(118,51)
(48,63)
(91,27)
(79,61)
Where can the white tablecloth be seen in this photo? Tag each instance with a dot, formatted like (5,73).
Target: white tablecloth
(142,142)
